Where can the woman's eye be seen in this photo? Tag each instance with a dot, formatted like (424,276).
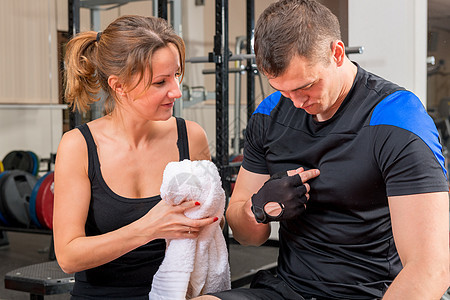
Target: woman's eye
(159,82)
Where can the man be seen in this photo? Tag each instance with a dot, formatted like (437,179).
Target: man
(376,222)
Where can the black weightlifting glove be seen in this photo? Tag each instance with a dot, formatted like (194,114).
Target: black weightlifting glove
(288,191)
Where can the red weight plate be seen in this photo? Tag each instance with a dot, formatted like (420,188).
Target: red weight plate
(44,201)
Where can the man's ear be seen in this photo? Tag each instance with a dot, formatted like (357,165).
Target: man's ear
(116,85)
(338,49)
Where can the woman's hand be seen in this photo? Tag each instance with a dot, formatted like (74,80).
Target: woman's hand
(165,221)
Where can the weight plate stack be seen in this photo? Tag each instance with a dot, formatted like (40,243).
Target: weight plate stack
(19,160)
(15,191)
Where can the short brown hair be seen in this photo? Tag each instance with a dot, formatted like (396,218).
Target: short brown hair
(293,27)
(124,49)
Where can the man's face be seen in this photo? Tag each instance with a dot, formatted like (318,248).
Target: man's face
(312,87)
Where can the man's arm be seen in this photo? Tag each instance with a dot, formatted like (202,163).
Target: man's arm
(239,214)
(420,225)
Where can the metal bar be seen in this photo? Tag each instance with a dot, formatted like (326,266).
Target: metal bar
(250,51)
(250,56)
(95,19)
(221,57)
(162,9)
(95,3)
(240,40)
(34,106)
(354,50)
(208,59)
(74,28)
(232,70)
(176,22)
(155,8)
(221,53)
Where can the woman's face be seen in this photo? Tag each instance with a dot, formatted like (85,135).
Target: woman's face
(156,102)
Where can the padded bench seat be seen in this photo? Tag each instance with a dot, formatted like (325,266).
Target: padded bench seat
(40,279)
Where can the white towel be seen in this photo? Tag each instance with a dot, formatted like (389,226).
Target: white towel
(193,267)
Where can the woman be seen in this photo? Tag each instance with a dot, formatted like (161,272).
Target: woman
(109,223)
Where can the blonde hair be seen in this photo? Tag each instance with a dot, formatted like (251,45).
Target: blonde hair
(124,49)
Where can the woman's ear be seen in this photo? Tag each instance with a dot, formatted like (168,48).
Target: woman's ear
(116,85)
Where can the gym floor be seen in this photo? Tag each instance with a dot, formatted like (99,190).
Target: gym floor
(27,248)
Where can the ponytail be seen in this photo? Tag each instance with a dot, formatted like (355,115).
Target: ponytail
(81,72)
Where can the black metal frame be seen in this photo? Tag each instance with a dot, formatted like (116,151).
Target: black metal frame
(250,70)
(162,9)
(220,56)
(74,28)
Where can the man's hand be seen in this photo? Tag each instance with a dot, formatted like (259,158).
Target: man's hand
(289,192)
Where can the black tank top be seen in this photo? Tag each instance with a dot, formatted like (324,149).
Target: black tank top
(129,276)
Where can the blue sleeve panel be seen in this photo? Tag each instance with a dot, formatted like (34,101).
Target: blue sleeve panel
(404,110)
(268,104)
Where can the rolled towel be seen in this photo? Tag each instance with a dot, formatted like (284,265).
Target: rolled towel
(193,267)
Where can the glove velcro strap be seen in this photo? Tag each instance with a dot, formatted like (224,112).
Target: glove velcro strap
(260,214)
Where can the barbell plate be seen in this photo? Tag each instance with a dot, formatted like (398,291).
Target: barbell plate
(34,192)
(35,158)
(44,201)
(18,160)
(2,218)
(15,191)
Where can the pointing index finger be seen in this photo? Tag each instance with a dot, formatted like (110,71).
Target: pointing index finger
(309,174)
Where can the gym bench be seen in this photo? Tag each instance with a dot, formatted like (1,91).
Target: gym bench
(39,280)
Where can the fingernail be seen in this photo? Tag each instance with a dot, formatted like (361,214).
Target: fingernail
(197,203)
(215,219)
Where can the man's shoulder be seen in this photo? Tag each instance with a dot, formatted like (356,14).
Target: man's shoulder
(399,107)
(375,83)
(268,104)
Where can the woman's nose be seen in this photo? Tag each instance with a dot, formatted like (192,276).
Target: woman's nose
(175,91)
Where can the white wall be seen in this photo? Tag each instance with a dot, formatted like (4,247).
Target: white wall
(30,129)
(29,77)
(394,36)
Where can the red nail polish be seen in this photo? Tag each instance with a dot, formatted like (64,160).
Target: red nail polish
(215,219)
(197,203)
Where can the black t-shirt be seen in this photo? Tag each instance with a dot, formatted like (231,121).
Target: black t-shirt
(380,143)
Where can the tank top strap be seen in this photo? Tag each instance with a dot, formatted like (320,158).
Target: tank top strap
(182,142)
(92,149)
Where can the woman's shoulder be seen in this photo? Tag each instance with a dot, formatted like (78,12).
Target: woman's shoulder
(72,138)
(198,141)
(195,129)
